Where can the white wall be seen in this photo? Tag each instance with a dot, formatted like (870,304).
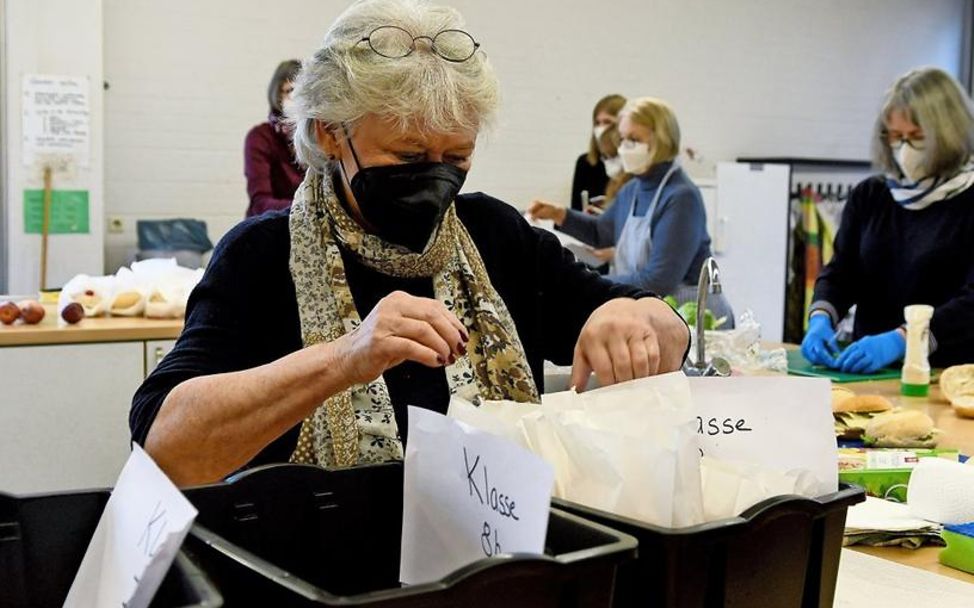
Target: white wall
(61,37)
(747,77)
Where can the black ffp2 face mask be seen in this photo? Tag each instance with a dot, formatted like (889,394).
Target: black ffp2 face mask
(405,203)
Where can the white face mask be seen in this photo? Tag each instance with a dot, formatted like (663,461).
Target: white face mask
(910,161)
(635,157)
(613,166)
(599,130)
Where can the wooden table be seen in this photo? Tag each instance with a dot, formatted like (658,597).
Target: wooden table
(103,329)
(958,433)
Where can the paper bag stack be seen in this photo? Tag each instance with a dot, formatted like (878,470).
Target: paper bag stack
(644,449)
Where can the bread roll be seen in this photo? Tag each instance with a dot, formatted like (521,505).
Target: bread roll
(902,428)
(862,403)
(963,406)
(128,303)
(957,381)
(840,394)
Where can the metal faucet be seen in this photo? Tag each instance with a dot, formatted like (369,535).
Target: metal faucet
(709,282)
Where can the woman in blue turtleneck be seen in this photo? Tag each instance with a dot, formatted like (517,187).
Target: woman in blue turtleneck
(657,224)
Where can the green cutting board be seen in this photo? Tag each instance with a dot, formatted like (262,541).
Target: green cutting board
(799,366)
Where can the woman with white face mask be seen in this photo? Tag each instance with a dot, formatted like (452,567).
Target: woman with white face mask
(595,168)
(657,226)
(907,236)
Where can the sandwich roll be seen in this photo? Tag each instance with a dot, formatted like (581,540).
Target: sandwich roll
(839,395)
(957,385)
(963,406)
(862,404)
(957,381)
(127,303)
(901,428)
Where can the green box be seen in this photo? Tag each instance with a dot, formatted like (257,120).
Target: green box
(69,212)
(887,483)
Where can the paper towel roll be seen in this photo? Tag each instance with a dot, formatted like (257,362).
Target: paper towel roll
(942,491)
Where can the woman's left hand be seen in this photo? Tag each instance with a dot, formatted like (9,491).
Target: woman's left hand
(872,353)
(605,254)
(626,339)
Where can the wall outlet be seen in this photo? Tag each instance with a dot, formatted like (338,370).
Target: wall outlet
(116,225)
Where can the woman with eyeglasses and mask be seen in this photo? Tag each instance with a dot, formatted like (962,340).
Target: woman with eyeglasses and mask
(383,287)
(907,236)
(273,174)
(657,224)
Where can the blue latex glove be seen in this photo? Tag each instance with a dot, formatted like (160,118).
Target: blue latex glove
(819,345)
(872,353)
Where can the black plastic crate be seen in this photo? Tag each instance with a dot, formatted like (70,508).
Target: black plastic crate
(43,539)
(783,551)
(295,535)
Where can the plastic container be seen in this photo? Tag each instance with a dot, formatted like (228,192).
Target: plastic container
(959,553)
(295,535)
(43,539)
(783,552)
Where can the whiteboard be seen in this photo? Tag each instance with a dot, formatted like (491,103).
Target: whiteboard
(752,233)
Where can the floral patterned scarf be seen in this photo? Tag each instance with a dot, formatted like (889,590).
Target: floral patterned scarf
(358,426)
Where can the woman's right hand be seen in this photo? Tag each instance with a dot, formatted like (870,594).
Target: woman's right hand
(819,345)
(543,210)
(400,328)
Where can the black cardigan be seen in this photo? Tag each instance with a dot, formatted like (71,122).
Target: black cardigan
(244,312)
(588,177)
(887,257)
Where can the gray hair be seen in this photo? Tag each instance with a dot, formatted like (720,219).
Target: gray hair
(345,80)
(936,103)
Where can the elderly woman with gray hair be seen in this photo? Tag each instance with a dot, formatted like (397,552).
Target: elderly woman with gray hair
(906,236)
(382,287)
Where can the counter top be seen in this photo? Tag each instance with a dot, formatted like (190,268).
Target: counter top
(958,433)
(103,329)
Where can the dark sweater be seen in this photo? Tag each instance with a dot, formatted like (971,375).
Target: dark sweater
(887,257)
(244,312)
(588,177)
(271,171)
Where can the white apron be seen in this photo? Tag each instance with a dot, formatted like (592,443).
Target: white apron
(636,243)
(636,240)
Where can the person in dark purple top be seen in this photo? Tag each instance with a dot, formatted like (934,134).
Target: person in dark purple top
(272,172)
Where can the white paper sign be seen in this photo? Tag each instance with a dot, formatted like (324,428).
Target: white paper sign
(467,495)
(56,118)
(782,423)
(137,538)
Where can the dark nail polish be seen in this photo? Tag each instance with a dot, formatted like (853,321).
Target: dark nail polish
(440,360)
(461,348)
(465,336)
(453,359)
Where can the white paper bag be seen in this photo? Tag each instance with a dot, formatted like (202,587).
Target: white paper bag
(467,495)
(730,488)
(635,443)
(630,449)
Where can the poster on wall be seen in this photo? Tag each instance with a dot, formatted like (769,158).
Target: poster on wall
(56,119)
(69,212)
